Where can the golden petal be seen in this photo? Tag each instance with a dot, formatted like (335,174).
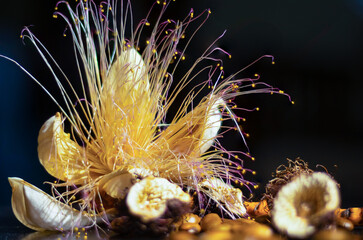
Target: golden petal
(39,211)
(60,156)
(194,133)
(220,191)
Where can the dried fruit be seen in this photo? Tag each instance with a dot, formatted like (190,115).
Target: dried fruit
(148,199)
(304,204)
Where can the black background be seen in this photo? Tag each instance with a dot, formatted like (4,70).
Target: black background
(317,47)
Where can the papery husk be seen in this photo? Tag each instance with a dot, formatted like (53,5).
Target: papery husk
(39,211)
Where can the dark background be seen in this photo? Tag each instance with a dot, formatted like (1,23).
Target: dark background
(317,47)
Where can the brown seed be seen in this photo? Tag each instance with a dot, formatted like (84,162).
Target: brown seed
(216,235)
(345,223)
(182,236)
(335,234)
(256,230)
(190,227)
(209,221)
(190,218)
(224,227)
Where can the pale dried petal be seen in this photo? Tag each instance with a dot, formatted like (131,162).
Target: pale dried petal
(117,183)
(212,126)
(130,65)
(148,198)
(305,203)
(220,191)
(60,156)
(39,211)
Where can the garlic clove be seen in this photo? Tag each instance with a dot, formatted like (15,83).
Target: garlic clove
(220,191)
(39,211)
(148,199)
(59,155)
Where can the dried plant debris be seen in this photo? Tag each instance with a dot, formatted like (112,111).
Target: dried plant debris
(283,175)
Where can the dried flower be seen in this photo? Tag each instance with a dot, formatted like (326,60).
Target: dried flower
(118,130)
(304,204)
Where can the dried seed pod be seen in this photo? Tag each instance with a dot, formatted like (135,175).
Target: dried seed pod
(305,203)
(152,197)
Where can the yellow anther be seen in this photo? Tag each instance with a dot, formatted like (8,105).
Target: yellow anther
(292,102)
(147,24)
(253,85)
(253,159)
(257,109)
(55,16)
(281,91)
(256,75)
(273,62)
(221,68)
(147,42)
(183,57)
(254,172)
